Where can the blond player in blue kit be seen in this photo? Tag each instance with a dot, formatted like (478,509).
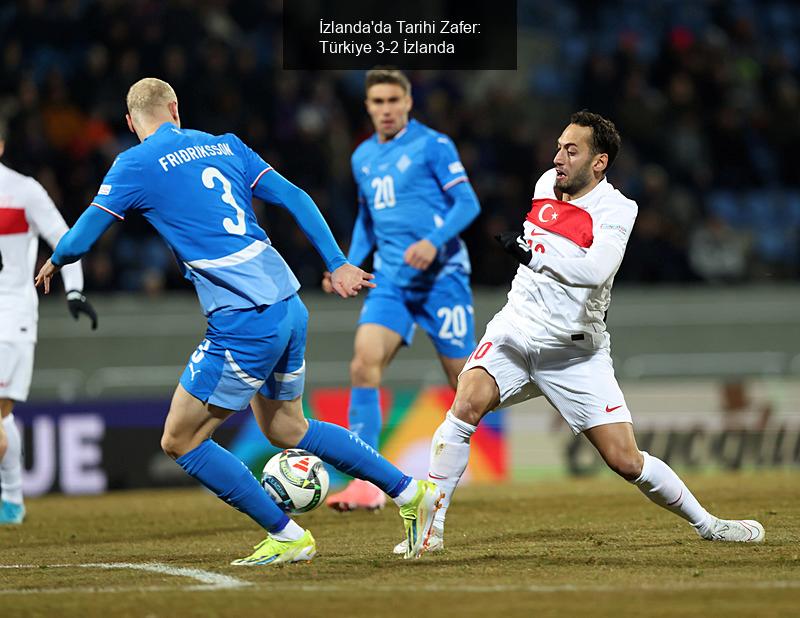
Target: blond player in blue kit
(196,191)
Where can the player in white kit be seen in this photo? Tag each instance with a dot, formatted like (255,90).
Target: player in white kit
(26,213)
(550,339)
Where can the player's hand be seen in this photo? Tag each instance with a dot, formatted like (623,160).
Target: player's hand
(46,275)
(349,280)
(515,245)
(420,254)
(77,304)
(327,284)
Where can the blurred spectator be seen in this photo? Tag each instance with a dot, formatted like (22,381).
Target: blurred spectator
(705,94)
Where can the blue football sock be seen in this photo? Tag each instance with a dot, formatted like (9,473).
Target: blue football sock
(364,414)
(348,453)
(226,476)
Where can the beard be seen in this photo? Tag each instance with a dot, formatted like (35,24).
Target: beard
(577,182)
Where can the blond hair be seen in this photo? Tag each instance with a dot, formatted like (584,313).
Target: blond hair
(149,95)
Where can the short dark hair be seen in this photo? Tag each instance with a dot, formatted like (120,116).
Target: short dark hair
(3,129)
(387,75)
(605,137)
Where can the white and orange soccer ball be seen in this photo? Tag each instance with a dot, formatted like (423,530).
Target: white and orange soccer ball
(296,480)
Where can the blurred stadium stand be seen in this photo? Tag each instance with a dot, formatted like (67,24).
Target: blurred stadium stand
(705,93)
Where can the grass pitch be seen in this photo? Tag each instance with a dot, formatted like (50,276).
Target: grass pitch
(592,547)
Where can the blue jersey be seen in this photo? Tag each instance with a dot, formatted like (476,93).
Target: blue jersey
(403,189)
(196,190)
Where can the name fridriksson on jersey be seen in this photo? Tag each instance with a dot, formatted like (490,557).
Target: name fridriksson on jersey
(192,153)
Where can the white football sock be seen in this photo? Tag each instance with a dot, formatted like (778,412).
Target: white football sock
(449,457)
(290,532)
(660,483)
(405,496)
(11,465)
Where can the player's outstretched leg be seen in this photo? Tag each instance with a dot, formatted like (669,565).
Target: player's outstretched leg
(656,480)
(477,394)
(187,440)
(418,500)
(659,482)
(13,508)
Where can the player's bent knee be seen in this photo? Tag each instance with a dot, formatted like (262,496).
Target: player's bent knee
(288,433)
(627,465)
(365,372)
(173,446)
(467,410)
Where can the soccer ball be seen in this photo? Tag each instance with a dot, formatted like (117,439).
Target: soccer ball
(296,480)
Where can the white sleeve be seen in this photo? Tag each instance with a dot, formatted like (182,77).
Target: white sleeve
(590,271)
(42,212)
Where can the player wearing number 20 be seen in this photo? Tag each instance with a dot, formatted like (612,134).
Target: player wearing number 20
(196,190)
(414,201)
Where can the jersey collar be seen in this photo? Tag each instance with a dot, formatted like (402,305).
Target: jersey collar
(166,126)
(411,124)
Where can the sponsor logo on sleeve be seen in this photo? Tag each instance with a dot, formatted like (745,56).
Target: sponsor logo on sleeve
(104,190)
(614,227)
(455,167)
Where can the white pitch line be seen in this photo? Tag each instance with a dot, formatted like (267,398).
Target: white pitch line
(207,579)
(214,581)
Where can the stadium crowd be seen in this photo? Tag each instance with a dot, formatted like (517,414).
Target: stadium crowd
(705,94)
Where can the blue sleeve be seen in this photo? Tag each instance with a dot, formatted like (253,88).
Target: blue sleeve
(444,162)
(121,190)
(463,211)
(88,229)
(274,188)
(363,239)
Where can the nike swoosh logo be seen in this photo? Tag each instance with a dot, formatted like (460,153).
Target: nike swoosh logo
(612,409)
(437,477)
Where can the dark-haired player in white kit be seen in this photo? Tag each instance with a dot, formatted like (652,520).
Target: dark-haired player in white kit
(550,339)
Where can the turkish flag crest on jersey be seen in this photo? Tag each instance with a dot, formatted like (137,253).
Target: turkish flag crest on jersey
(564,219)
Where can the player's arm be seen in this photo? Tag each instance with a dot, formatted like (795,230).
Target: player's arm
(464,206)
(75,243)
(590,271)
(120,192)
(52,227)
(597,265)
(346,279)
(362,240)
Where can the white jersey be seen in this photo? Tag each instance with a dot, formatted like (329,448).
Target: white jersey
(578,248)
(26,212)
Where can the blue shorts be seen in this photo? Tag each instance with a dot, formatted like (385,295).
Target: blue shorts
(253,350)
(444,311)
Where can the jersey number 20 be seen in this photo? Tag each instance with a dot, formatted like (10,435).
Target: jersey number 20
(210,174)
(384,192)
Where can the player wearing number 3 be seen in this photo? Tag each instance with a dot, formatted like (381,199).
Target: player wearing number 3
(196,190)
(414,201)
(550,339)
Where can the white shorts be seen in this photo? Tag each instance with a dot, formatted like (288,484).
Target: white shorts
(579,383)
(16,369)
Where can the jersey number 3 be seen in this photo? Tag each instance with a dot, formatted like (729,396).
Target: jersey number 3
(210,174)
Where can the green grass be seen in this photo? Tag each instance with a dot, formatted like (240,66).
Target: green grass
(575,547)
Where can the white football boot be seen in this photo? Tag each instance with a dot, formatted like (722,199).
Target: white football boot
(435,543)
(735,530)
